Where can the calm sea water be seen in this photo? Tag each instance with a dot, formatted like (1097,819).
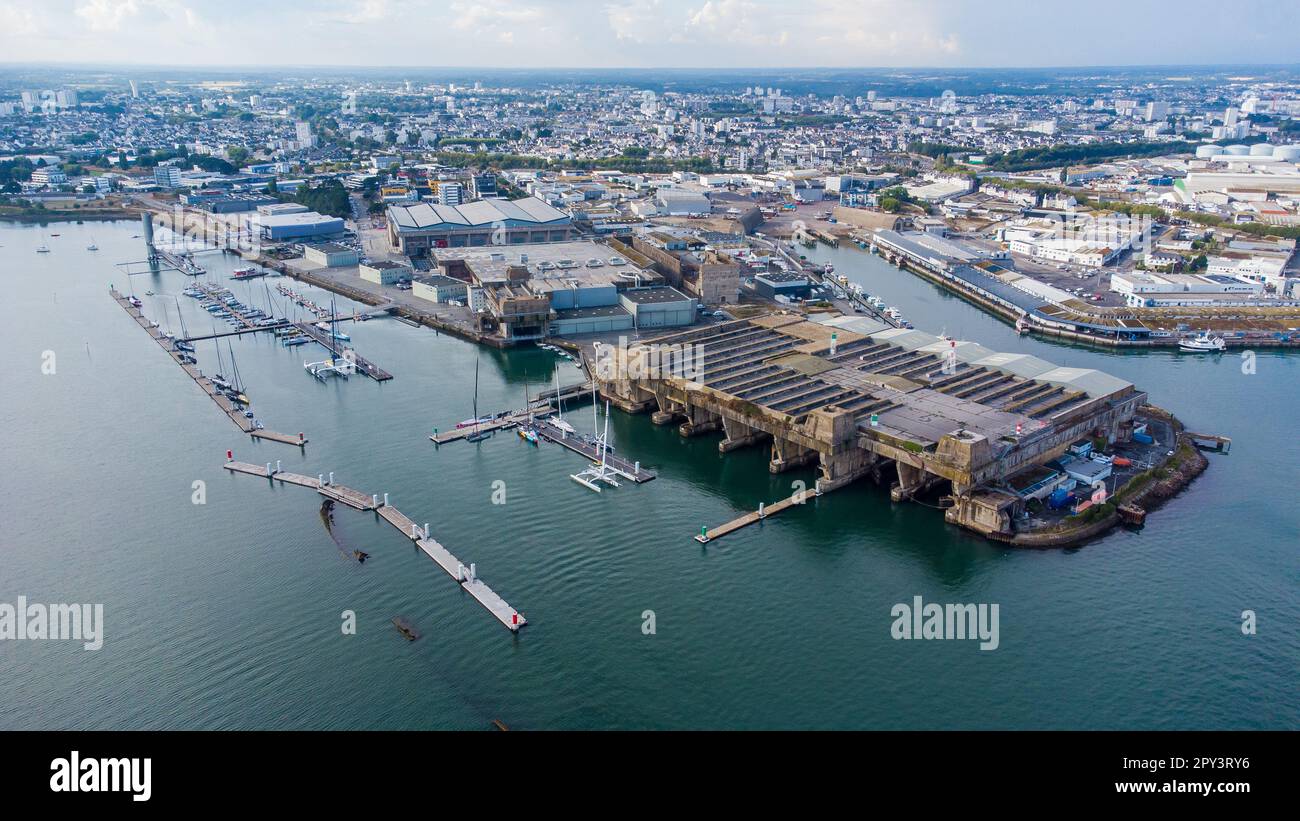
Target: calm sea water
(227,614)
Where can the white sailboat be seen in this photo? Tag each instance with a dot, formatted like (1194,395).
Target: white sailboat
(558,421)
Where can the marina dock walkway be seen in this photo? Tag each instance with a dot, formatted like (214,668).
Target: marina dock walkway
(632,471)
(230,409)
(499,423)
(466,577)
(364,366)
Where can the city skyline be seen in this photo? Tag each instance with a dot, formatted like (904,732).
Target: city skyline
(611,34)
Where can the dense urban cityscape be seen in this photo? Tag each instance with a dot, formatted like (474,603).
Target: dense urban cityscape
(782,398)
(1130,210)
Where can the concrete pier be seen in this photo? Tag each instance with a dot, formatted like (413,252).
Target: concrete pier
(851,394)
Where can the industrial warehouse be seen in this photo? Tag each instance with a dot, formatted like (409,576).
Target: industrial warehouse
(561,288)
(415,229)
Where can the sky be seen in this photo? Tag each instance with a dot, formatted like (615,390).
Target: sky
(651,33)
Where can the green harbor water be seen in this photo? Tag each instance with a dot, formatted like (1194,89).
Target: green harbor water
(227,614)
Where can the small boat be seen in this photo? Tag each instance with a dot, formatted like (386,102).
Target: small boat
(478,435)
(1022,325)
(42,249)
(528,435)
(248,273)
(92,247)
(1204,342)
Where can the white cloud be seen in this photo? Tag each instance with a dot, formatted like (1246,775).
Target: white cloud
(654,33)
(641,21)
(491,16)
(369,11)
(17,20)
(107,15)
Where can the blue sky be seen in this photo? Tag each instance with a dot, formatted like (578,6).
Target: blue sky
(651,33)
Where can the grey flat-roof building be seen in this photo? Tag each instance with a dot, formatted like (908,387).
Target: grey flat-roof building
(384,272)
(790,285)
(605,319)
(440,288)
(661,307)
(331,254)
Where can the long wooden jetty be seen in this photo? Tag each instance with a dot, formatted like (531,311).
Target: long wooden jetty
(707,535)
(583,446)
(465,576)
(230,409)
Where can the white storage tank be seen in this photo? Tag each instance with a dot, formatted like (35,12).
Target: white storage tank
(1261,150)
(1237,150)
(1289,153)
(1204,152)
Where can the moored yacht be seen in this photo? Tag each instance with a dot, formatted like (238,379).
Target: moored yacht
(1204,342)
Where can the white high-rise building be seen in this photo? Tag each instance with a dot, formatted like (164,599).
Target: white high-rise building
(135,90)
(305,138)
(167,176)
(1157,110)
(1230,115)
(450,193)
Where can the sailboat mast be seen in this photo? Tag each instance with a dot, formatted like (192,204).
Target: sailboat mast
(559,403)
(604,440)
(220,362)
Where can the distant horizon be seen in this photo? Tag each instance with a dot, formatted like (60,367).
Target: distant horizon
(336,67)
(632,34)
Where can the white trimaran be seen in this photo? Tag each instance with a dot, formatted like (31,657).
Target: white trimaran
(599,471)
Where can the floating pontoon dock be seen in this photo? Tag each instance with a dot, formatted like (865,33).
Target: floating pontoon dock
(707,535)
(232,411)
(465,576)
(631,471)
